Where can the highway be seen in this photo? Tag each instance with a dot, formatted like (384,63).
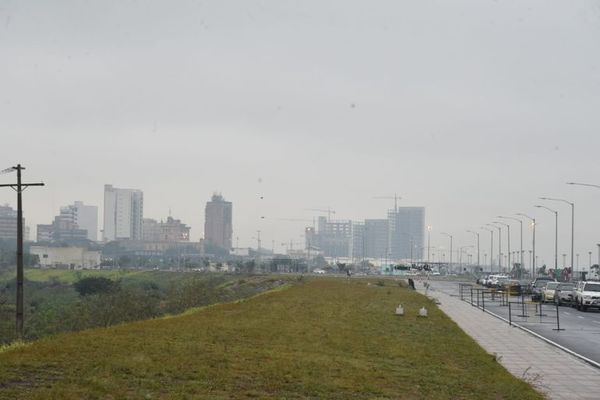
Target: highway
(581,332)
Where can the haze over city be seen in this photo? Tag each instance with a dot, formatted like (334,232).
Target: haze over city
(471,109)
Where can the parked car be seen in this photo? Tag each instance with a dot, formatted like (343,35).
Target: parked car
(492,281)
(564,293)
(512,286)
(587,294)
(549,291)
(538,285)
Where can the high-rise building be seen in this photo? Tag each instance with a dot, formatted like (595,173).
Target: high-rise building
(407,232)
(218,228)
(358,240)
(335,237)
(85,217)
(123,213)
(377,238)
(8,223)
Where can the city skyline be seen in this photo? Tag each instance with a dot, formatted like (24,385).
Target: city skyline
(294,106)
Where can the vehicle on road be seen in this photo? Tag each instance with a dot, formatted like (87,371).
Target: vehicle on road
(493,280)
(564,293)
(587,294)
(319,271)
(549,291)
(538,285)
(512,286)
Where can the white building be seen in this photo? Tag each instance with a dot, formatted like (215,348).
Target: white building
(66,257)
(86,217)
(123,213)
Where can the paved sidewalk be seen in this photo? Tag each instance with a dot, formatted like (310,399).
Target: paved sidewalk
(553,371)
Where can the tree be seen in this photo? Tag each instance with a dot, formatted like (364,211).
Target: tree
(96,285)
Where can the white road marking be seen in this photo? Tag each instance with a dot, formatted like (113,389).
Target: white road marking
(566,313)
(579,316)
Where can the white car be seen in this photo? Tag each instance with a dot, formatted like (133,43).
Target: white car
(587,294)
(319,271)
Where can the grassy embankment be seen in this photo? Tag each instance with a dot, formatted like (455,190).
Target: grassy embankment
(53,305)
(327,338)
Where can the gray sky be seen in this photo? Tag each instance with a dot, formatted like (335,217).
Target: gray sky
(469,108)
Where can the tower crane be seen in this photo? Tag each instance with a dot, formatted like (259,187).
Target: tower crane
(329,211)
(395,197)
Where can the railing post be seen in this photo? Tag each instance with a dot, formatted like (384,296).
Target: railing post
(557,320)
(509,315)
(483,299)
(471,296)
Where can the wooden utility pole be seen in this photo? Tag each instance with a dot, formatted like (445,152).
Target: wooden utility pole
(19,187)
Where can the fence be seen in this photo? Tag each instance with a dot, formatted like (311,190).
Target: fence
(519,311)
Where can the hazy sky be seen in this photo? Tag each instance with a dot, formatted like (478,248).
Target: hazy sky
(469,108)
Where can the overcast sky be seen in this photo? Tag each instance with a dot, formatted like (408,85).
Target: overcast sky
(470,108)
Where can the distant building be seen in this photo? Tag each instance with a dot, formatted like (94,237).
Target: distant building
(407,232)
(173,230)
(66,257)
(150,230)
(45,233)
(358,240)
(85,217)
(218,227)
(123,214)
(8,223)
(335,237)
(65,227)
(377,237)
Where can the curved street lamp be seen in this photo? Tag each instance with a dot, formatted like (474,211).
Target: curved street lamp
(555,233)
(534,259)
(499,245)
(476,234)
(508,252)
(572,228)
(521,226)
(491,231)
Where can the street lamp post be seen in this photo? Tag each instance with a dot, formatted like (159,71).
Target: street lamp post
(555,233)
(572,228)
(428,242)
(491,231)
(532,261)
(450,236)
(476,234)
(521,226)
(508,252)
(499,246)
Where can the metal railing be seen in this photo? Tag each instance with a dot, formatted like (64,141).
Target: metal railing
(520,310)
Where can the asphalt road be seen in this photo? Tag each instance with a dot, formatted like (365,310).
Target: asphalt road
(581,332)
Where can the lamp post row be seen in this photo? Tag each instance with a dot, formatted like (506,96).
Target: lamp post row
(533,257)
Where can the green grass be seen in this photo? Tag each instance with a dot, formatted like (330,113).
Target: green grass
(326,338)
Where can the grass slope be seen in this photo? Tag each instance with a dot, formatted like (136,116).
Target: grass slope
(327,338)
